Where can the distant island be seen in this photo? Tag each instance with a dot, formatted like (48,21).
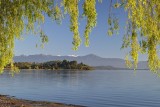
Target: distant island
(53,65)
(90,59)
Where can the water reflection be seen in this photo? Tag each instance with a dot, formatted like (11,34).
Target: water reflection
(90,88)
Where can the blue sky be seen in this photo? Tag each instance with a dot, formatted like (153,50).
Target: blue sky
(60,37)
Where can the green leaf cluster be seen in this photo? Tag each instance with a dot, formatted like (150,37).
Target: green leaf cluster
(142,28)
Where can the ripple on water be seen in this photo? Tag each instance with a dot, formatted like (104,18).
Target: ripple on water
(89,88)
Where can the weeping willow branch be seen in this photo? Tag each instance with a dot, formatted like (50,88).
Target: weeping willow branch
(143,28)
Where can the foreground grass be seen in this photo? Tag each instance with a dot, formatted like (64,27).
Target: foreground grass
(6,101)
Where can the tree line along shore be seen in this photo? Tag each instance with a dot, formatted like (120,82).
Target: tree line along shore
(53,65)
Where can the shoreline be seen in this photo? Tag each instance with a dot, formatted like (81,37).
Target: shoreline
(56,69)
(11,101)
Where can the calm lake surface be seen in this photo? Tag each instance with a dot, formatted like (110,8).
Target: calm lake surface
(98,88)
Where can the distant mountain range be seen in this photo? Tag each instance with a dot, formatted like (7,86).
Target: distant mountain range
(91,59)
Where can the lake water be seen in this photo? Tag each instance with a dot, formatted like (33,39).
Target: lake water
(98,88)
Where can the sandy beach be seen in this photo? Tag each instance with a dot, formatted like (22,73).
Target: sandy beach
(8,101)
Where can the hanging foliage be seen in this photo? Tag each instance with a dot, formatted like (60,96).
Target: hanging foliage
(91,14)
(144,20)
(71,6)
(142,33)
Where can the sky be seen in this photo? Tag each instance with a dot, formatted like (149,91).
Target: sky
(60,37)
